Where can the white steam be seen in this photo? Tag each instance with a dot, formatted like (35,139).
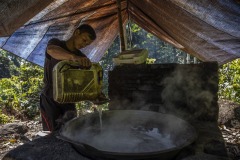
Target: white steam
(187,95)
(130,132)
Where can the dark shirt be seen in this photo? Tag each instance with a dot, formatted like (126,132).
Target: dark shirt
(50,62)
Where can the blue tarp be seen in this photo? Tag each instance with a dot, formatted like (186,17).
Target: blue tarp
(209,30)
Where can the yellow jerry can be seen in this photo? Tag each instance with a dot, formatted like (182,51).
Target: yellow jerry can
(72,84)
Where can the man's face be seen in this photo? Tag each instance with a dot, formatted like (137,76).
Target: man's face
(81,40)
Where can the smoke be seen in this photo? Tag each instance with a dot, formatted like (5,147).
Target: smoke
(187,94)
(140,98)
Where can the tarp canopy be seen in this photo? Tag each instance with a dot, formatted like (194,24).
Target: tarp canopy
(208,30)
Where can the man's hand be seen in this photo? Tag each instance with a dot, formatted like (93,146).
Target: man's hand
(61,54)
(83,62)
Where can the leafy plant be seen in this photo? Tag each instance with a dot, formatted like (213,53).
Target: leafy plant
(19,94)
(150,60)
(229,81)
(5,118)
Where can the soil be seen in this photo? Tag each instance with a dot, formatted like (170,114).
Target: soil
(12,140)
(229,124)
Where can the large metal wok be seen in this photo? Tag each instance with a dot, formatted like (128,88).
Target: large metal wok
(128,134)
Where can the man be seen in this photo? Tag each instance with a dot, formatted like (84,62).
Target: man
(56,51)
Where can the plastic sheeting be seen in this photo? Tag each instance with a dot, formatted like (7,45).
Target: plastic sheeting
(209,30)
(14,13)
(29,42)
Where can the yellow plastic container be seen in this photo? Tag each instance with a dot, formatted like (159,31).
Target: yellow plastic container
(134,56)
(72,84)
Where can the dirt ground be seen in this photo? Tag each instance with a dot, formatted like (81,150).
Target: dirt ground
(229,124)
(12,140)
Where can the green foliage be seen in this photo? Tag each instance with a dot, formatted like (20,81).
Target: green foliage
(229,81)
(19,94)
(150,60)
(9,64)
(107,63)
(4,67)
(159,50)
(4,118)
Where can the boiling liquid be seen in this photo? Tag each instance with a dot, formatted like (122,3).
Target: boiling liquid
(99,108)
(132,140)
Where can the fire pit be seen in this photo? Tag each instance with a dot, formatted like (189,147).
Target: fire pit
(128,134)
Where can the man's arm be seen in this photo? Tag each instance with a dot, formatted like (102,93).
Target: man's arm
(59,53)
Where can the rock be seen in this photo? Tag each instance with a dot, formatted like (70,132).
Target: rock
(13,128)
(44,148)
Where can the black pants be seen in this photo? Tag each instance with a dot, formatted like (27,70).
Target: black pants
(51,111)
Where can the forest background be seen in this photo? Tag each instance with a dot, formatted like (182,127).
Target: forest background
(21,81)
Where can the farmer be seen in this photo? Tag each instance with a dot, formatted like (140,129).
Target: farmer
(57,51)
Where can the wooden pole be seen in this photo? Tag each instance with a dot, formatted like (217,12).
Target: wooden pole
(120,24)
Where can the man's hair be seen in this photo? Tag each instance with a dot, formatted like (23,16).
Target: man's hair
(87,28)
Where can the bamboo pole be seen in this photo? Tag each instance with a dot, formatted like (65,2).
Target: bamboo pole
(121,33)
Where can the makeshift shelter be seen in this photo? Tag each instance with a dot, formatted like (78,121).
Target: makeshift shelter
(208,30)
